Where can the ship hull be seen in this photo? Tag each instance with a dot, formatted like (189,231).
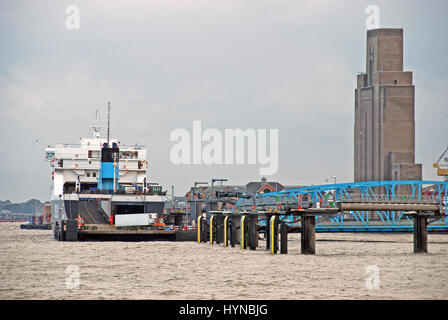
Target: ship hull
(97,208)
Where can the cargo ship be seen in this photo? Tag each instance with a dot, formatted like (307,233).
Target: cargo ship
(100,191)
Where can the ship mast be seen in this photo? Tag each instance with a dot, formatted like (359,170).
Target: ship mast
(108,122)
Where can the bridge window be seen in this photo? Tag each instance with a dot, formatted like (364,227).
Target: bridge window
(128,155)
(93,154)
(69,187)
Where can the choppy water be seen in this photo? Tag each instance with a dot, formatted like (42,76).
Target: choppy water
(34,266)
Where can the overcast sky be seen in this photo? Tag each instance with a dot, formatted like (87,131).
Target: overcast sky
(257,64)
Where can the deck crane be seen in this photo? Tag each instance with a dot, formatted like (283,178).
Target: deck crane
(442,165)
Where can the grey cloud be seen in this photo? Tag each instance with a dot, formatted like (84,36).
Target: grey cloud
(283,64)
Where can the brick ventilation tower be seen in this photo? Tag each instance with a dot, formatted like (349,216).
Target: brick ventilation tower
(384,112)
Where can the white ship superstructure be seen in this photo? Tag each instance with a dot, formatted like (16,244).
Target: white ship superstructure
(76,167)
(98,179)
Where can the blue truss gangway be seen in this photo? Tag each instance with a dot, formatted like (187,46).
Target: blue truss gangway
(328,195)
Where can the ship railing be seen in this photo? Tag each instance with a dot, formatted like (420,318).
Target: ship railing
(77,145)
(120,191)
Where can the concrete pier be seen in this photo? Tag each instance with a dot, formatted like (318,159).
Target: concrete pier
(242,228)
(420,234)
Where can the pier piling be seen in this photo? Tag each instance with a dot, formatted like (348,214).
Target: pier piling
(274,234)
(253,235)
(268,232)
(420,234)
(232,232)
(283,238)
(308,237)
(56,231)
(62,230)
(204,228)
(218,229)
(243,233)
(211,229)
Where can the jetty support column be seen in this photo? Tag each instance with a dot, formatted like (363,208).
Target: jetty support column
(218,228)
(221,228)
(420,233)
(232,231)
(226,231)
(283,238)
(267,234)
(273,234)
(211,228)
(253,234)
(308,237)
(62,230)
(204,230)
(71,230)
(243,240)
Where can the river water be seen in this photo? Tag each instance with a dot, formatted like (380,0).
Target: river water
(346,266)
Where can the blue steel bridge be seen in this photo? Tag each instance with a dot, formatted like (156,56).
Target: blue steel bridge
(327,195)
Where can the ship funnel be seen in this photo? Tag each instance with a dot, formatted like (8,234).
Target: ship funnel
(110,157)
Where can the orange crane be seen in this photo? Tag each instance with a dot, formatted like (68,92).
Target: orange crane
(442,166)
